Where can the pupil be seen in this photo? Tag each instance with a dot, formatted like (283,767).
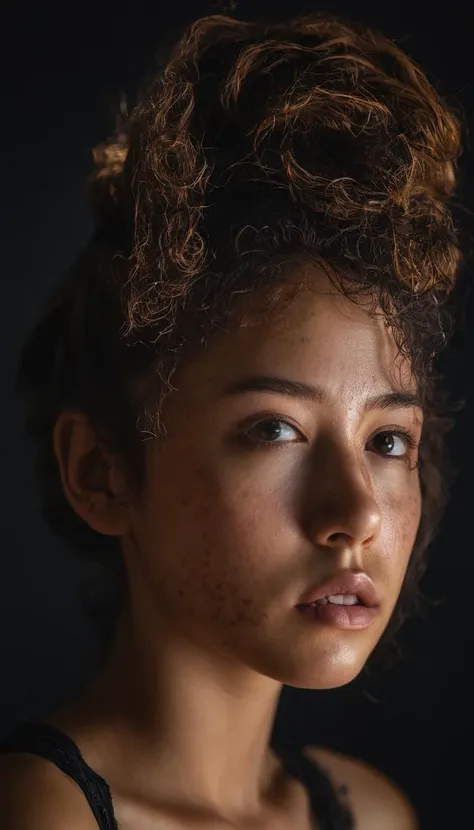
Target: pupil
(387,440)
(270,429)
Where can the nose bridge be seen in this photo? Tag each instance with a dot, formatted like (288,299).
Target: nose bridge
(343,504)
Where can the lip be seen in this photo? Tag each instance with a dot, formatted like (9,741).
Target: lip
(346,582)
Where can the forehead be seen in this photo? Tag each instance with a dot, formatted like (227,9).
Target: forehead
(317,335)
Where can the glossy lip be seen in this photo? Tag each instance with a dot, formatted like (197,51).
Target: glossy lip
(346,582)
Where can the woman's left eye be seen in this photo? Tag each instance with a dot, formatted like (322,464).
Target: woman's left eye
(394,435)
(393,443)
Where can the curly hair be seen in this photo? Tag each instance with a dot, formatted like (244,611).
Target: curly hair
(252,146)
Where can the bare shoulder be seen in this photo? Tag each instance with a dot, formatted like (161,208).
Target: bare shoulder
(375,800)
(36,795)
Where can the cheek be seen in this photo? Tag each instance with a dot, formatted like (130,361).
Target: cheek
(410,521)
(401,529)
(211,545)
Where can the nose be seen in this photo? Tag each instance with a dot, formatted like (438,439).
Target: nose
(344,511)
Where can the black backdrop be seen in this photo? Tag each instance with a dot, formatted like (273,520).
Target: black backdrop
(62,70)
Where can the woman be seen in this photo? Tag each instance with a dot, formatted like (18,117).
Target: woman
(233,402)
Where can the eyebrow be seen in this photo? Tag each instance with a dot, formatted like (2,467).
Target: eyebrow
(395,399)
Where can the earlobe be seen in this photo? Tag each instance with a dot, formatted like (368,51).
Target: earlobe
(88,475)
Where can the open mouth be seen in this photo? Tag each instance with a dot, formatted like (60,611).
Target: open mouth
(338,599)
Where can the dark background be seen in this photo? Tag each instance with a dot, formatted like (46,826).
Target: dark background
(64,69)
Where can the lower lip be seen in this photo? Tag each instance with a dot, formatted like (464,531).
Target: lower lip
(338,616)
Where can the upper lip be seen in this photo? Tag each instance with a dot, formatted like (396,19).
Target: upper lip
(346,582)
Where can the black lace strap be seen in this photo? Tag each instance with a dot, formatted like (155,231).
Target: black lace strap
(328,804)
(48,742)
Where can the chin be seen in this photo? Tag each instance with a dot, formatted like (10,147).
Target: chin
(326,677)
(320,669)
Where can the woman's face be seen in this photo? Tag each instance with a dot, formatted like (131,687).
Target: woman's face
(255,497)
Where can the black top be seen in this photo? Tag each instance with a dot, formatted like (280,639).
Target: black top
(48,742)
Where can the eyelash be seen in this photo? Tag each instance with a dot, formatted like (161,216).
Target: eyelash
(406,436)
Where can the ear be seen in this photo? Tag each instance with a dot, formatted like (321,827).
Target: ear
(92,481)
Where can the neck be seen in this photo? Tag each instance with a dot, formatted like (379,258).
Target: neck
(192,720)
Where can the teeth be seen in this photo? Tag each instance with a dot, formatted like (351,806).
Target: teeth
(344,599)
(338,599)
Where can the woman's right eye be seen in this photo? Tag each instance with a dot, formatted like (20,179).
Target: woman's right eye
(273,429)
